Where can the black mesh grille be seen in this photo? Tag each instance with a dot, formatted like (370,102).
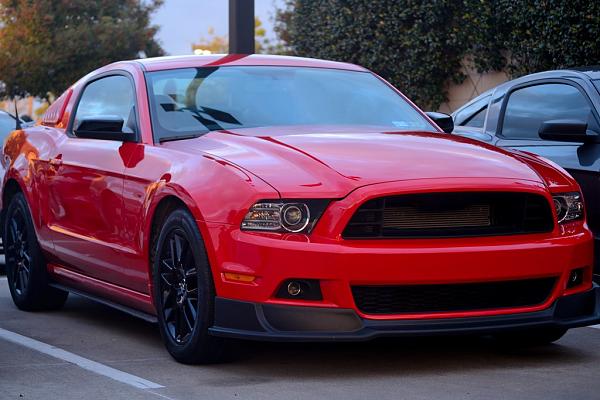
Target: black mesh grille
(451,215)
(445,298)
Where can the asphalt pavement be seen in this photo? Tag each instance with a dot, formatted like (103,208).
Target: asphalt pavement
(90,351)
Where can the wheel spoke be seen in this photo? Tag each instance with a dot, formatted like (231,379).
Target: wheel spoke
(180,324)
(167,278)
(17,277)
(178,248)
(172,249)
(168,313)
(165,263)
(191,272)
(26,257)
(166,294)
(14,230)
(192,309)
(171,329)
(24,277)
(189,322)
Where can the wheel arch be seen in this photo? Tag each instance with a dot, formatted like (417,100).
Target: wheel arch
(158,214)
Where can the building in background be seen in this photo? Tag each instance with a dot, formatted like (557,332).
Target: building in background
(29,106)
(475,84)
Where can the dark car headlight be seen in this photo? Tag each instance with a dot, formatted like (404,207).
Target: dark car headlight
(295,216)
(568,206)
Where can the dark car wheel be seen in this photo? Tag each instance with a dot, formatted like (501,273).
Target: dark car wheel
(184,291)
(26,271)
(531,337)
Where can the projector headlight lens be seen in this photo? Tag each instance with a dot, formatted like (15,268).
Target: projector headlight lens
(284,216)
(568,206)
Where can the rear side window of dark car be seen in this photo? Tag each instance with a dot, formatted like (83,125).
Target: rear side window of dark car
(7,125)
(473,115)
(529,107)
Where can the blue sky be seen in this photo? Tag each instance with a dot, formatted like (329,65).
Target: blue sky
(183,22)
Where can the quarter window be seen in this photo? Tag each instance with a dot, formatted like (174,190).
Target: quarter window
(529,107)
(473,115)
(112,96)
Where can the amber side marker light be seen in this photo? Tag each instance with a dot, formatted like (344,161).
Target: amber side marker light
(239,277)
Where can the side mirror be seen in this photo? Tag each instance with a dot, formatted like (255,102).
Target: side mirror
(104,127)
(442,120)
(566,130)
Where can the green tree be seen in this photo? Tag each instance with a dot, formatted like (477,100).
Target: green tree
(415,45)
(219,44)
(538,35)
(419,45)
(46,45)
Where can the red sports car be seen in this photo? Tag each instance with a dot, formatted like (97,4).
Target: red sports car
(278,198)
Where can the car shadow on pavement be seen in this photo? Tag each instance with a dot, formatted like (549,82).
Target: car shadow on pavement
(381,357)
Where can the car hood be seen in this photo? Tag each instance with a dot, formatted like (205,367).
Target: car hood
(333,161)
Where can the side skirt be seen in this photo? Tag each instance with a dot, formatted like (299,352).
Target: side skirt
(128,310)
(124,299)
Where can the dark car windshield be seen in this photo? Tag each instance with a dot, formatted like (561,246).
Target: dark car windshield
(7,125)
(188,102)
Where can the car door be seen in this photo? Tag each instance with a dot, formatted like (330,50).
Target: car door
(524,110)
(85,185)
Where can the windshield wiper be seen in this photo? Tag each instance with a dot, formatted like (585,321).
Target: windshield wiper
(181,137)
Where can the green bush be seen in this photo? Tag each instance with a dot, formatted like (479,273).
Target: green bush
(419,46)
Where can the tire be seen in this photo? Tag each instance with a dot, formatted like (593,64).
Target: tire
(183,294)
(530,338)
(26,268)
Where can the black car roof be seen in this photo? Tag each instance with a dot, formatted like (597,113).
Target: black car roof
(586,72)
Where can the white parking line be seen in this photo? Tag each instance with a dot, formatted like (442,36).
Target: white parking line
(594,326)
(82,362)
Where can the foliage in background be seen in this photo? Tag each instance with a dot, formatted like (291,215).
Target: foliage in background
(419,45)
(219,44)
(413,44)
(46,45)
(538,35)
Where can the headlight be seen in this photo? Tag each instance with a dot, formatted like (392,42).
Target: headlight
(569,206)
(296,216)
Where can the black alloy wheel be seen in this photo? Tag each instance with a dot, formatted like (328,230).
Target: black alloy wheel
(178,285)
(18,253)
(26,271)
(184,292)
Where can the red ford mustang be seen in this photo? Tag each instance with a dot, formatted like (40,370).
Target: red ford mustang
(280,198)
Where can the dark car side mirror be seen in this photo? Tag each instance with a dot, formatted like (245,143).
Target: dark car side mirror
(442,120)
(106,127)
(566,130)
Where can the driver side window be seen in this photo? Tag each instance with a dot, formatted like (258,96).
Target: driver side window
(529,107)
(111,97)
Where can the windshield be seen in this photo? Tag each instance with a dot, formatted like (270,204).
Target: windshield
(192,101)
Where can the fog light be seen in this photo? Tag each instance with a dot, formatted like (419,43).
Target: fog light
(575,278)
(300,289)
(294,288)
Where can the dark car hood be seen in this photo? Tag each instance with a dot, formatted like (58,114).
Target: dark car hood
(332,161)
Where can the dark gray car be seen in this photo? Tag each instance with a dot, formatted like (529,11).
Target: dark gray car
(555,114)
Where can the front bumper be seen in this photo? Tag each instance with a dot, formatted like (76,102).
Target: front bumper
(271,322)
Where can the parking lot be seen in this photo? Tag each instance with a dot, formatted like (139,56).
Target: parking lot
(102,353)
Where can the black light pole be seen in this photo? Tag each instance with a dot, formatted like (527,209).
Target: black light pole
(241,26)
